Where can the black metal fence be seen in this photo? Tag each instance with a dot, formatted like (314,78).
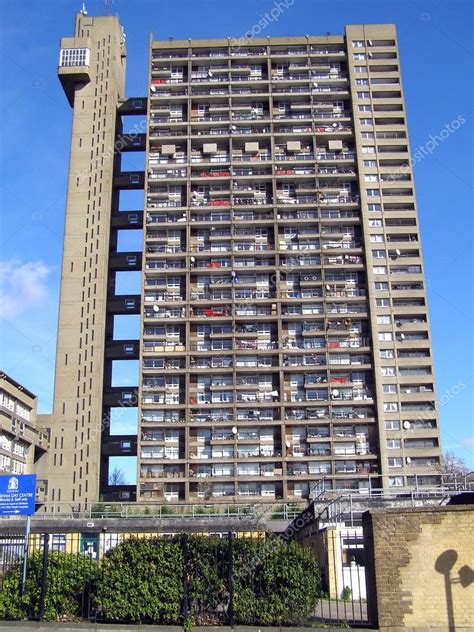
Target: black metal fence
(207,579)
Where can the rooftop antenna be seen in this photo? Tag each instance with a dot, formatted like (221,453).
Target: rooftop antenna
(83,10)
(107,5)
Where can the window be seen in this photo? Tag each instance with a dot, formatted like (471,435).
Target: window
(385,336)
(375,223)
(362,82)
(392,424)
(387,354)
(395,481)
(382,302)
(360,69)
(395,462)
(368,149)
(371,178)
(363,95)
(360,56)
(394,444)
(74,57)
(373,208)
(379,269)
(390,389)
(370,163)
(373,192)
(376,239)
(365,108)
(390,407)
(357,43)
(384,320)
(379,254)
(381,286)
(387,371)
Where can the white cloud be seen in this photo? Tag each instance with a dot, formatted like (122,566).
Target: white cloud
(22,285)
(468,441)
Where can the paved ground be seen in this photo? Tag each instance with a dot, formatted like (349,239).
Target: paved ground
(333,611)
(27,626)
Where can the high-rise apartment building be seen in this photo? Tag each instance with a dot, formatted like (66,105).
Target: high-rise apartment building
(284,341)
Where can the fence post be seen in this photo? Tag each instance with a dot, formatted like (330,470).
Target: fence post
(185,604)
(24,569)
(230,559)
(44,578)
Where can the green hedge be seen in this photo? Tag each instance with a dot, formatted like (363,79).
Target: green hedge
(69,578)
(141,581)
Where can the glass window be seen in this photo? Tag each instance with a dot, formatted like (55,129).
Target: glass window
(74,57)
(395,462)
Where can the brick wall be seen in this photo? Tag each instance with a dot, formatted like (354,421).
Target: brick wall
(420,568)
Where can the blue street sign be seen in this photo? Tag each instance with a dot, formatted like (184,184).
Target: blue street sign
(17,494)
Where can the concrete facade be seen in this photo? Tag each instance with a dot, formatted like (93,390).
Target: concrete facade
(24,440)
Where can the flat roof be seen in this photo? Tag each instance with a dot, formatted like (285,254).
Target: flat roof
(20,387)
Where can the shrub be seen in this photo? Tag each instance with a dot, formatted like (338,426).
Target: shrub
(140,581)
(68,576)
(208,579)
(275,583)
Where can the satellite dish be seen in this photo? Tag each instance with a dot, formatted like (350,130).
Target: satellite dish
(328,287)
(234,430)
(397,252)
(408,459)
(233,273)
(193,259)
(156,308)
(406,425)
(335,392)
(402,336)
(288,444)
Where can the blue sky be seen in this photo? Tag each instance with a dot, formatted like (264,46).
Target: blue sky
(435,39)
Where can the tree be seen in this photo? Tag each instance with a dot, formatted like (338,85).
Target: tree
(452,467)
(117,477)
